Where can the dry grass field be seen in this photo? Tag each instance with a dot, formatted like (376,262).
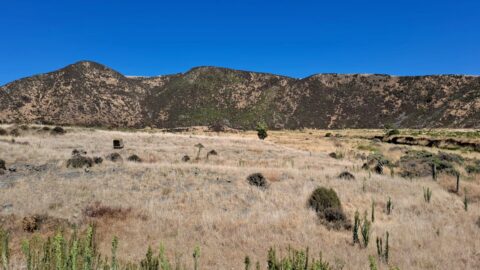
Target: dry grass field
(209,203)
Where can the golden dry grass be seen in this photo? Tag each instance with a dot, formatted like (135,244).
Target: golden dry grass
(209,203)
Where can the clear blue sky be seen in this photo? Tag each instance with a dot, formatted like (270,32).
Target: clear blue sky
(294,38)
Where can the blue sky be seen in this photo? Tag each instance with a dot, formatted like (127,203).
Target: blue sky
(293,38)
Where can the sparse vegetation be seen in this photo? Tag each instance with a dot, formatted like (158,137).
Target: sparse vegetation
(182,204)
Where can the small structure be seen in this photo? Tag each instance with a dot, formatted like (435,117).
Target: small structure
(117,144)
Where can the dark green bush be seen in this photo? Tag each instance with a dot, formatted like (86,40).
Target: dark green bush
(329,209)
(262,131)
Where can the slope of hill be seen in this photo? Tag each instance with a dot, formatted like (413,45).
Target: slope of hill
(90,94)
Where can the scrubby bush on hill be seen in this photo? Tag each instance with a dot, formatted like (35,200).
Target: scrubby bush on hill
(328,207)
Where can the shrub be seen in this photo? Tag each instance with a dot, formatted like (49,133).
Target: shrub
(15,132)
(346,175)
(114,157)
(79,162)
(392,132)
(185,158)
(77,152)
(58,131)
(257,179)
(134,158)
(211,153)
(328,134)
(31,223)
(473,168)
(3,132)
(262,131)
(2,165)
(327,205)
(336,155)
(97,160)
(98,210)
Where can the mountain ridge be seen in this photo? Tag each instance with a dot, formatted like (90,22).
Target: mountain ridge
(91,94)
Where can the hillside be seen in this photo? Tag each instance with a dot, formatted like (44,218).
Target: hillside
(90,94)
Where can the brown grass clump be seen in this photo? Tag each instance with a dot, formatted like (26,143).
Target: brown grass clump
(258,180)
(98,210)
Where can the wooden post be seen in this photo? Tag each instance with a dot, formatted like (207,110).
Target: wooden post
(434,172)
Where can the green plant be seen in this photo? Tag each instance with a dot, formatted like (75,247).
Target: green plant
(365,230)
(262,131)
(372,263)
(328,207)
(114,253)
(389,206)
(247,263)
(383,253)
(196,256)
(427,194)
(150,262)
(356,225)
